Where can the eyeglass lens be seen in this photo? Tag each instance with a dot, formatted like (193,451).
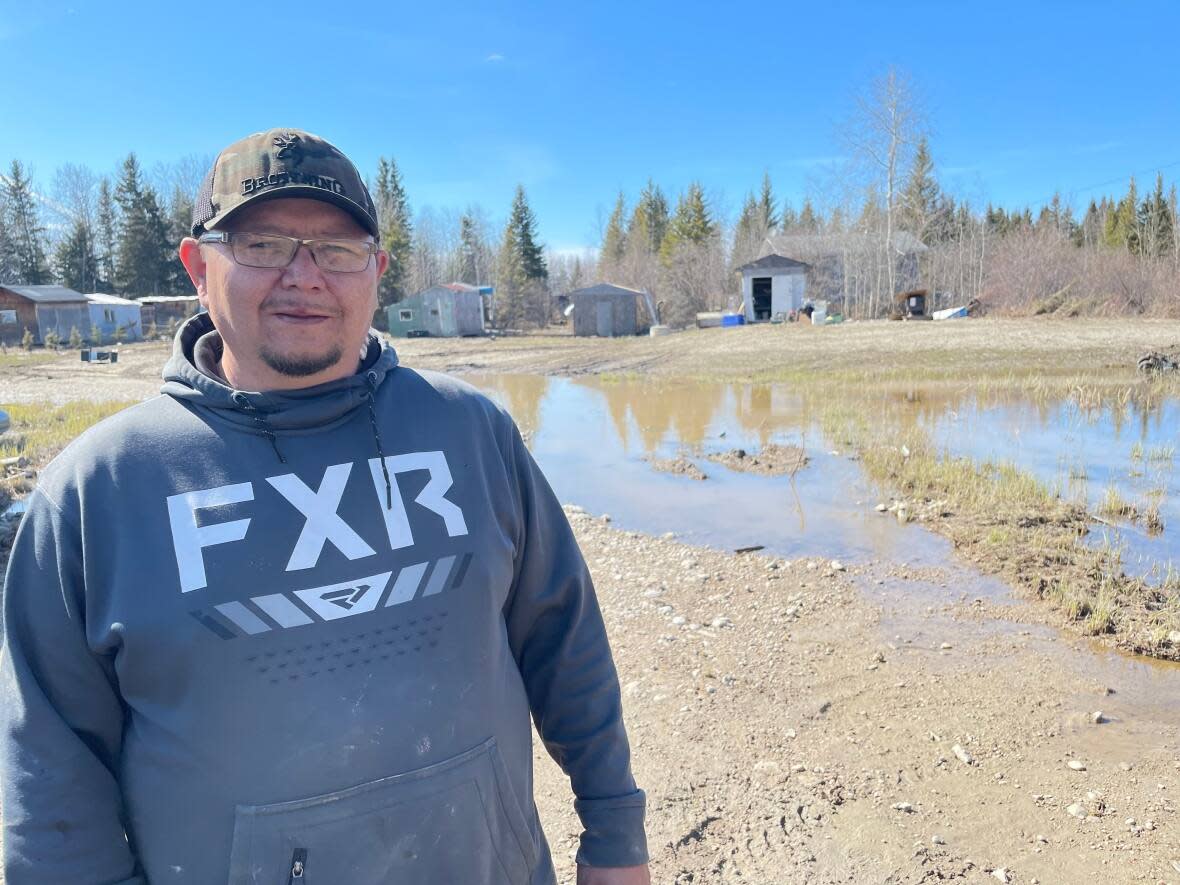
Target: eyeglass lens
(262,250)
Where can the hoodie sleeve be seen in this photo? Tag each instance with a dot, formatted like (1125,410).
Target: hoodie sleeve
(559,641)
(61,719)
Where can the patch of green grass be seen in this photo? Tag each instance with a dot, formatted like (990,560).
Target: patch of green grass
(1114,506)
(998,536)
(14,358)
(39,432)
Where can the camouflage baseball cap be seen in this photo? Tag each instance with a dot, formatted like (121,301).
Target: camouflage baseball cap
(281,163)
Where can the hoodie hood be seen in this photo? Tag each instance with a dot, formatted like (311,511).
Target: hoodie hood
(274,410)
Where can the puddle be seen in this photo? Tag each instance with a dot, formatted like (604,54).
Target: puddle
(1084,453)
(595,441)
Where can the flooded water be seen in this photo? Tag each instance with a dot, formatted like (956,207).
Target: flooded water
(1087,454)
(596,441)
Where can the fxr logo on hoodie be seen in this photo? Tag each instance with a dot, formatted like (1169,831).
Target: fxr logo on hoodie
(322,522)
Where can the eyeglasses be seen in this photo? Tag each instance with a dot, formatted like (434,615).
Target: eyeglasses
(272,250)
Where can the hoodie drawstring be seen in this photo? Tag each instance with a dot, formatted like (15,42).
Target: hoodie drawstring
(244,403)
(259,418)
(371,378)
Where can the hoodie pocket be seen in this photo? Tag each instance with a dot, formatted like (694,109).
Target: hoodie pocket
(454,822)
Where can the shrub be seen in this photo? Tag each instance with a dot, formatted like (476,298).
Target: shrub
(27,340)
(75,337)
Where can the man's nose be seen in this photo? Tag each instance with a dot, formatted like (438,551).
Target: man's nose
(303,270)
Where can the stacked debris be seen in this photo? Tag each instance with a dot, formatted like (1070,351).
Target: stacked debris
(1155,362)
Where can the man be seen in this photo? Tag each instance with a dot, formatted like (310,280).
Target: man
(287,621)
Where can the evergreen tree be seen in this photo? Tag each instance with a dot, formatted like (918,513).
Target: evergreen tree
(964,221)
(8,265)
(649,221)
(766,211)
(1174,221)
(106,238)
(1121,230)
(690,224)
(788,218)
(946,224)
(524,230)
(75,259)
(25,229)
(180,224)
(614,239)
(143,247)
(1089,232)
(809,222)
(921,197)
(512,282)
(1056,216)
(748,233)
(470,249)
(749,219)
(397,234)
(1155,222)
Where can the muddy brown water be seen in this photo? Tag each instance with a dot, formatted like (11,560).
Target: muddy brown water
(596,439)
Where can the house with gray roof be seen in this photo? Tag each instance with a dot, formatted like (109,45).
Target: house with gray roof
(112,316)
(774,285)
(41,310)
(608,311)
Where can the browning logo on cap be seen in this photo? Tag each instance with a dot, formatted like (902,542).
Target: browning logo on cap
(287,143)
(287,161)
(293,150)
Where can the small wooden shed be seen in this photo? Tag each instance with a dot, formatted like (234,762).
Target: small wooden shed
(449,310)
(608,311)
(109,314)
(910,305)
(41,310)
(774,285)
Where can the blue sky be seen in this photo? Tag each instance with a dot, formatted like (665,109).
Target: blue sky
(577,101)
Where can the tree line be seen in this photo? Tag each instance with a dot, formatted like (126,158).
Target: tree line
(881,223)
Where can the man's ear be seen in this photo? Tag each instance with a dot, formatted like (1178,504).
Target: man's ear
(382,263)
(194,263)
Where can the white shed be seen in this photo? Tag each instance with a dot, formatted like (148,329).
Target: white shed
(772,286)
(109,313)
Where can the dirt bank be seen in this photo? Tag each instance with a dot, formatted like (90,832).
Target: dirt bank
(770,460)
(791,726)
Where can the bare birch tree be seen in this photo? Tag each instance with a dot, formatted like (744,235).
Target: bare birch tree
(882,135)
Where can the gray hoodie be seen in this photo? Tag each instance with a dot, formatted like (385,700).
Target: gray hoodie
(257,637)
